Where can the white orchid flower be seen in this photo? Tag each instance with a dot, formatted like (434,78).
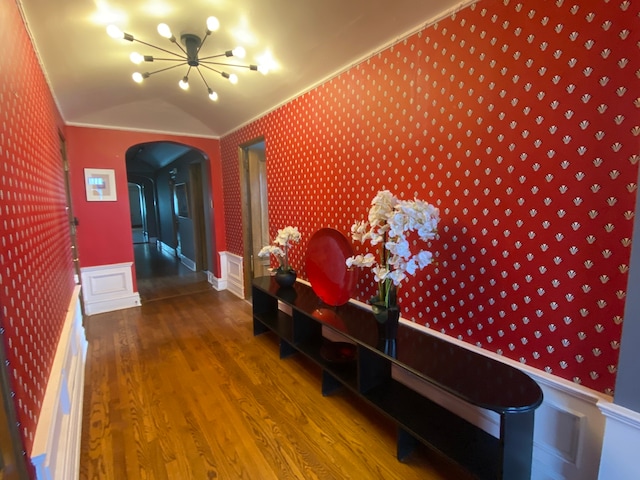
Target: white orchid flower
(390,224)
(367,260)
(380,273)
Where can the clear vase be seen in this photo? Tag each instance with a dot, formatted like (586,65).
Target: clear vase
(389,331)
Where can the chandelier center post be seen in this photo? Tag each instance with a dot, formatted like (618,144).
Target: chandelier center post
(192,44)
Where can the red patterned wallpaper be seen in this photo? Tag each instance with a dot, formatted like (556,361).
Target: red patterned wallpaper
(520,120)
(36,269)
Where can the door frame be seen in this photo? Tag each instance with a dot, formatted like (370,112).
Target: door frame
(245,195)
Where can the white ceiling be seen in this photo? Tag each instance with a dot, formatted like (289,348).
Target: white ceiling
(310,41)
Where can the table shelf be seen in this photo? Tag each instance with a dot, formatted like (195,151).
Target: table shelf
(478,380)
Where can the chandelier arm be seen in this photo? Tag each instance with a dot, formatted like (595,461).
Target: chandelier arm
(168,68)
(206,35)
(250,67)
(210,68)
(203,79)
(213,56)
(179,59)
(162,49)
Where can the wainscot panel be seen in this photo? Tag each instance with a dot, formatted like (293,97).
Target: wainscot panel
(56,448)
(108,287)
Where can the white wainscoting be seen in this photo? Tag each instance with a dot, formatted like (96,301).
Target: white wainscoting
(108,287)
(620,455)
(232,272)
(217,283)
(56,448)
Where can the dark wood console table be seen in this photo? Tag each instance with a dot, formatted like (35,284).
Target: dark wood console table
(474,378)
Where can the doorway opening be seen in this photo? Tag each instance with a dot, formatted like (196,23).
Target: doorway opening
(255,210)
(171,217)
(138,213)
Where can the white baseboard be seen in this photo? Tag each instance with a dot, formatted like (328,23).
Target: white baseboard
(166,248)
(620,459)
(217,283)
(232,273)
(187,262)
(56,448)
(107,288)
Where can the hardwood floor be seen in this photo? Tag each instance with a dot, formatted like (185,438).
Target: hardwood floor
(181,389)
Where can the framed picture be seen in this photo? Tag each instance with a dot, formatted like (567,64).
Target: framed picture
(100,184)
(182,200)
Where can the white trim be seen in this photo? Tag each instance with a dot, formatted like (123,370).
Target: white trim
(620,459)
(620,414)
(231,266)
(187,262)
(56,448)
(108,287)
(141,130)
(166,249)
(217,283)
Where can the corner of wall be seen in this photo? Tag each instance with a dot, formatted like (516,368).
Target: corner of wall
(620,444)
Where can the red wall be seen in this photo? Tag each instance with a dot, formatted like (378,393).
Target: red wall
(518,120)
(104,232)
(36,268)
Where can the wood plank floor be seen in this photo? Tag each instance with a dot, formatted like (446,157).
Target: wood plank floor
(181,389)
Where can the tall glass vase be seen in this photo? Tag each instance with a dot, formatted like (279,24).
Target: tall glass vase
(387,315)
(389,331)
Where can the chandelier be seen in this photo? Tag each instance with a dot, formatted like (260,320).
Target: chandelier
(189,56)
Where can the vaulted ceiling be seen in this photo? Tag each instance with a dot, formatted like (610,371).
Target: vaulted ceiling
(307,40)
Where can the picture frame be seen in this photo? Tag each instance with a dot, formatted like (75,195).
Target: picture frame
(100,184)
(182,200)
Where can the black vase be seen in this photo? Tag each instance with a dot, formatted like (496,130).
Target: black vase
(388,331)
(285,278)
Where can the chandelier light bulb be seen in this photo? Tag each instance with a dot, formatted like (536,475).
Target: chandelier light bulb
(213,95)
(137,77)
(136,58)
(233,78)
(239,52)
(115,32)
(213,24)
(263,69)
(164,30)
(184,83)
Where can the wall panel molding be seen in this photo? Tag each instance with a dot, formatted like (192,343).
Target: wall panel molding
(108,287)
(56,448)
(231,267)
(620,458)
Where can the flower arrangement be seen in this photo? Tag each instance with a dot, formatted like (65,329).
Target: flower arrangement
(390,222)
(280,248)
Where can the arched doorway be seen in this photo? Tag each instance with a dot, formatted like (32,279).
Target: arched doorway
(172,183)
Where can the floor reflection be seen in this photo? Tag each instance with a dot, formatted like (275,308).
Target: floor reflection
(162,275)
